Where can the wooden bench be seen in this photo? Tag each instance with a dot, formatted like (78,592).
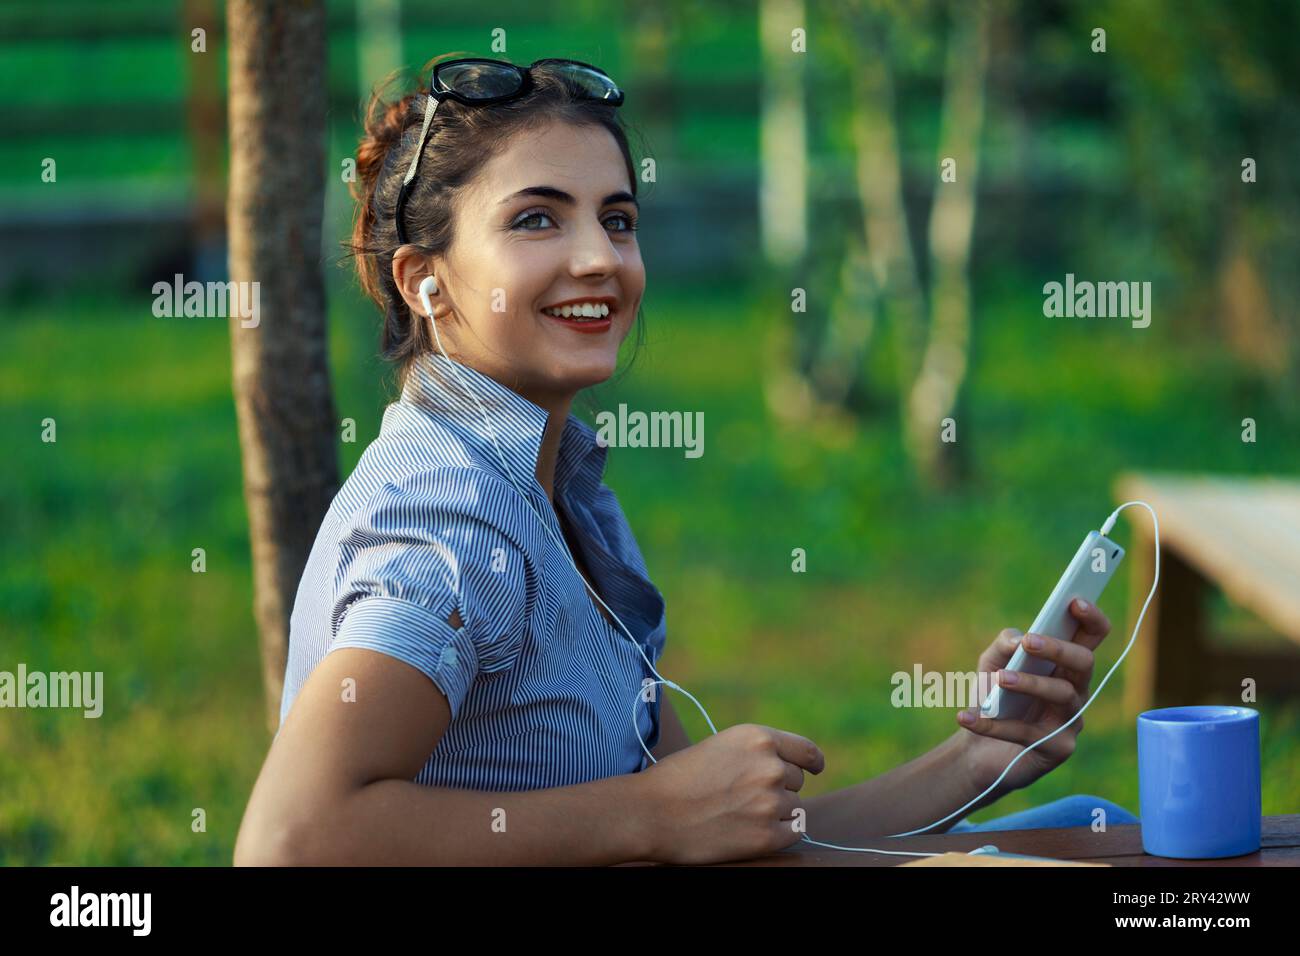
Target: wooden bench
(1240,535)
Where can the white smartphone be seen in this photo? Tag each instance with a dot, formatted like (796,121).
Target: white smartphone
(1086,577)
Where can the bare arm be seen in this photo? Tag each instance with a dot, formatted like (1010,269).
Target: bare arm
(940,782)
(912,795)
(337,788)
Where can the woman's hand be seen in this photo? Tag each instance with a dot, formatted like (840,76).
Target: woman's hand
(732,796)
(992,744)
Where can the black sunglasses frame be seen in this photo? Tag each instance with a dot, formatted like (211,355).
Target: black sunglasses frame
(439,91)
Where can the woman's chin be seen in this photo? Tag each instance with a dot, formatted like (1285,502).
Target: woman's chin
(572,373)
(593,372)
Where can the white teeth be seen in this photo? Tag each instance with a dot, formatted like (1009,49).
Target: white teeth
(587,310)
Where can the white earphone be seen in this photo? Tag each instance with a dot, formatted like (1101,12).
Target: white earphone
(428,286)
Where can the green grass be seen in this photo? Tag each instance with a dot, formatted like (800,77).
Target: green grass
(95,567)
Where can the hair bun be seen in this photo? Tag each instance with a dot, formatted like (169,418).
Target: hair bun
(384,125)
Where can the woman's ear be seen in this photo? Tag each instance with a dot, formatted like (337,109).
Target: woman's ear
(410,268)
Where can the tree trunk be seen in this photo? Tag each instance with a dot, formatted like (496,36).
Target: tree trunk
(838,366)
(879,172)
(952,217)
(877,275)
(277,107)
(783,150)
(1247,318)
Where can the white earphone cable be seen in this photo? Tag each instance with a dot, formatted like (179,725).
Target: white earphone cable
(1110,522)
(565,548)
(1105,529)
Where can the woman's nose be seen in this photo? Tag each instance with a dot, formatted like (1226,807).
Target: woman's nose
(594,252)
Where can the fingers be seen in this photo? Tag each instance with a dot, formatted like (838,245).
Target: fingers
(1000,651)
(799,751)
(1094,625)
(1053,690)
(788,803)
(782,833)
(1023,733)
(1070,655)
(793,776)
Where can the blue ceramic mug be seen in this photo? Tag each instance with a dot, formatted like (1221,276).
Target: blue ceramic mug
(1199,781)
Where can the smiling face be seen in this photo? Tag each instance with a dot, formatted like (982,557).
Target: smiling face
(548,220)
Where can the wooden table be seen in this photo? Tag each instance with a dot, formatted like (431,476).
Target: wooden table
(1118,846)
(1240,535)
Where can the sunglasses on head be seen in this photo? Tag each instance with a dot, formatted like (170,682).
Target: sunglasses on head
(481,82)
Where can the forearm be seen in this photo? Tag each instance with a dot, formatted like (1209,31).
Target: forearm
(910,796)
(401,823)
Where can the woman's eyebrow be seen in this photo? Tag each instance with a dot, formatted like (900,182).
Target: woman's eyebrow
(559,195)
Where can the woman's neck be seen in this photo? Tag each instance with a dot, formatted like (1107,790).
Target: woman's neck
(549,453)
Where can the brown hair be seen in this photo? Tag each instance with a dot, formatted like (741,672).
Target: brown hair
(460,140)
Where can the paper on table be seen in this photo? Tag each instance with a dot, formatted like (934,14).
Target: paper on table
(991,859)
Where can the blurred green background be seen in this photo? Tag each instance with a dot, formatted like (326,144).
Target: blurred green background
(1122,166)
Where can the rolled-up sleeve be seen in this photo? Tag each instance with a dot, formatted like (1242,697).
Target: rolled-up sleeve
(424,546)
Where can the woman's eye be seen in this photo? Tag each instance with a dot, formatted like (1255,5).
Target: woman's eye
(529,217)
(629,223)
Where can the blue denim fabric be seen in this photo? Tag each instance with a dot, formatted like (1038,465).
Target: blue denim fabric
(1075,811)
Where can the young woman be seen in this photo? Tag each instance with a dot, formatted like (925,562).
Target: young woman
(458,690)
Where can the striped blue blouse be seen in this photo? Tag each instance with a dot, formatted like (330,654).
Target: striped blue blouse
(541,686)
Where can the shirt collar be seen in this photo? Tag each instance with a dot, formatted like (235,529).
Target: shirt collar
(519,424)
